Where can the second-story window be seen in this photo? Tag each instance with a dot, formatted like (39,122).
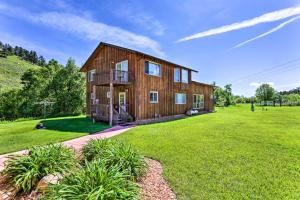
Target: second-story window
(176,74)
(90,75)
(152,68)
(184,76)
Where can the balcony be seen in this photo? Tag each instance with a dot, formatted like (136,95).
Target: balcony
(117,77)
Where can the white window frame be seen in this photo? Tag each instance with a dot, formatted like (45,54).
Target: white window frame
(177,69)
(198,105)
(91,75)
(123,64)
(148,68)
(187,76)
(184,98)
(155,92)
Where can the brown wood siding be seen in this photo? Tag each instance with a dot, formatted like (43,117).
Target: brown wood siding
(137,94)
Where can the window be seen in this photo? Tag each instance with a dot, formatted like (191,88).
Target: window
(152,68)
(176,74)
(91,74)
(198,101)
(121,73)
(93,93)
(122,66)
(180,98)
(153,97)
(185,77)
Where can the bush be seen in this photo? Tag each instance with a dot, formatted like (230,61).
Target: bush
(25,171)
(116,153)
(94,181)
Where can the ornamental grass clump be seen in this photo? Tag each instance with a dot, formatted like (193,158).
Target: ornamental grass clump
(94,181)
(25,171)
(113,152)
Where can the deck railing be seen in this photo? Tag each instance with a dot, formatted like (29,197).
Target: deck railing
(112,76)
(100,111)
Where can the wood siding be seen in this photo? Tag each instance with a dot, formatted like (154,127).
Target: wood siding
(137,93)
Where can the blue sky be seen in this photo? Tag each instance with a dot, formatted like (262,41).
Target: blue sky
(240,42)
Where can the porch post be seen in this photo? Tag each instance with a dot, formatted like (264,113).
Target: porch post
(111,92)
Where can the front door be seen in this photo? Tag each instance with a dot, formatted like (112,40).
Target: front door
(122,101)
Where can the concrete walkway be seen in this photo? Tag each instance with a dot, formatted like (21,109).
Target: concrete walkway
(76,143)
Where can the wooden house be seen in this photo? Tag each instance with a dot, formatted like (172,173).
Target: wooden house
(127,85)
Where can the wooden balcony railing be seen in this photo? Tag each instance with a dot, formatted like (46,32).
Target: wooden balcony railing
(100,112)
(112,76)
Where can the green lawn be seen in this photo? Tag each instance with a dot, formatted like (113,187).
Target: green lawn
(230,154)
(21,135)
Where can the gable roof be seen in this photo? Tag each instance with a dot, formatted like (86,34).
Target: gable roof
(96,51)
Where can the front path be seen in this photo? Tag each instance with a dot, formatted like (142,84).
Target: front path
(77,143)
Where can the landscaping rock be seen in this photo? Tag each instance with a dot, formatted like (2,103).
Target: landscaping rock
(49,179)
(153,184)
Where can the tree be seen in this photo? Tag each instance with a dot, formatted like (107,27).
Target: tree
(228,94)
(68,88)
(9,104)
(265,93)
(33,57)
(41,61)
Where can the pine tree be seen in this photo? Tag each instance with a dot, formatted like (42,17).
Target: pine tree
(41,61)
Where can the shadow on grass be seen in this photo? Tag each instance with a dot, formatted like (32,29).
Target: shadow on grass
(76,124)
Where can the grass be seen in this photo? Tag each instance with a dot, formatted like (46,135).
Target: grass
(231,154)
(11,70)
(20,135)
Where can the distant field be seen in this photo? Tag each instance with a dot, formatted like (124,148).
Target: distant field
(16,136)
(231,154)
(11,70)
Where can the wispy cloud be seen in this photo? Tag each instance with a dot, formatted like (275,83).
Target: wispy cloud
(142,19)
(280,26)
(265,18)
(19,41)
(256,84)
(86,28)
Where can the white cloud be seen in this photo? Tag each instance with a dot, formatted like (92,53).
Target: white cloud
(256,84)
(280,26)
(142,19)
(265,18)
(86,28)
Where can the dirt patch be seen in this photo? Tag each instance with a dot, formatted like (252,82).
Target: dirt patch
(153,184)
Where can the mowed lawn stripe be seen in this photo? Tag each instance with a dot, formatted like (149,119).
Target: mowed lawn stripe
(232,153)
(21,135)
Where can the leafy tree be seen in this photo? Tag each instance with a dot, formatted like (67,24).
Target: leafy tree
(9,104)
(228,94)
(265,93)
(68,88)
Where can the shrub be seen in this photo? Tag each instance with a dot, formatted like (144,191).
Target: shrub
(94,181)
(116,153)
(25,171)
(97,148)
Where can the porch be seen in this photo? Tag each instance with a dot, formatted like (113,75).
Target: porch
(120,115)
(111,95)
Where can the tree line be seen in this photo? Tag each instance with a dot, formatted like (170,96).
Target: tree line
(53,89)
(30,56)
(265,95)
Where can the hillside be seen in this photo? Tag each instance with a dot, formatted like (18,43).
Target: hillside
(11,70)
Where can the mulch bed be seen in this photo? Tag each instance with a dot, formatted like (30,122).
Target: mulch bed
(153,186)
